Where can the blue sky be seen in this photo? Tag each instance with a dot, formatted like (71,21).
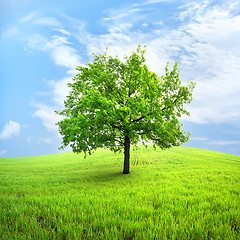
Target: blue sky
(41,43)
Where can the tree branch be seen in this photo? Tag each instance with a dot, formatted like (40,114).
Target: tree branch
(157,140)
(139,119)
(142,117)
(119,141)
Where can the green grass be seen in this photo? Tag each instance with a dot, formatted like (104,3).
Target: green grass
(181,193)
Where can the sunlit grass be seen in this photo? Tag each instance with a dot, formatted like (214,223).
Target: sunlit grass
(181,193)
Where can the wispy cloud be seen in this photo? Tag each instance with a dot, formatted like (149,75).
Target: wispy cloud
(199,139)
(223,142)
(45,140)
(59,91)
(212,61)
(204,41)
(10,129)
(28,17)
(30,139)
(50,21)
(157,1)
(62,52)
(11,33)
(218,142)
(41,140)
(2,152)
(62,30)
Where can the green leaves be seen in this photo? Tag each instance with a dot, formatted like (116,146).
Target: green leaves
(110,99)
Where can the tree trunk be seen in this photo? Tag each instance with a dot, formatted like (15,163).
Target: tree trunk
(126,155)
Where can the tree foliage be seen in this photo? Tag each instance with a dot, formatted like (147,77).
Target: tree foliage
(112,103)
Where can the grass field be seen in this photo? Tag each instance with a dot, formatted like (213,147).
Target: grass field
(181,193)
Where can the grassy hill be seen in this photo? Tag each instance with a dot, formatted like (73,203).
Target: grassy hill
(181,193)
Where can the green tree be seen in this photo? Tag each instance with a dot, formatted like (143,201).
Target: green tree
(116,104)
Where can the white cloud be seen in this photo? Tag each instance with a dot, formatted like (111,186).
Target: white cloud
(10,129)
(119,41)
(58,47)
(205,44)
(65,56)
(212,60)
(48,116)
(60,90)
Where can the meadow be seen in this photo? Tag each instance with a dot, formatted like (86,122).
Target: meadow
(180,193)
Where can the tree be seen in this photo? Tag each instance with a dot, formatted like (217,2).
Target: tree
(115,104)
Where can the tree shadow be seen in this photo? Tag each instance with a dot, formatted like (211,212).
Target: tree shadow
(106,176)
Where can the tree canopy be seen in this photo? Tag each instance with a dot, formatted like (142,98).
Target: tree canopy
(116,104)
